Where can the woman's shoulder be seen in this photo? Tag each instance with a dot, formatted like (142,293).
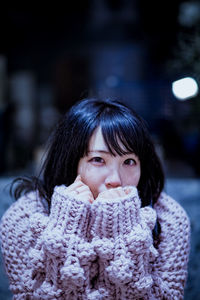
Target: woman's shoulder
(169,210)
(24,207)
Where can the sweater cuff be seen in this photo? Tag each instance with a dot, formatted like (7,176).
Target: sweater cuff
(114,217)
(68,214)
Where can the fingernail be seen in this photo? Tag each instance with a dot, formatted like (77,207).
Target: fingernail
(78,177)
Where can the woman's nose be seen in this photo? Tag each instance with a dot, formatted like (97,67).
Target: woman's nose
(113,179)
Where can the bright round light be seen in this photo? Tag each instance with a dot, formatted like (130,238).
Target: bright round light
(185,88)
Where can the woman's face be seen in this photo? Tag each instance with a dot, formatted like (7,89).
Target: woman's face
(100,170)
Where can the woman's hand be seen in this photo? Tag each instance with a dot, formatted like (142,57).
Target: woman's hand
(80,190)
(114,193)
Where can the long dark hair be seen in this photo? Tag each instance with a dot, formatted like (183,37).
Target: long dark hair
(70,139)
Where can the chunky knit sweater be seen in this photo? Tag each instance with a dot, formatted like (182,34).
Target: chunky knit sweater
(102,250)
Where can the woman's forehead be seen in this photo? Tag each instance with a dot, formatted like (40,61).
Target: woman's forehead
(97,143)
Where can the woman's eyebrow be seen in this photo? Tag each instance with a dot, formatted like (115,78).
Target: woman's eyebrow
(129,153)
(108,152)
(101,151)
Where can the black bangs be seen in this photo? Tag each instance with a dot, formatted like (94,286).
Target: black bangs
(121,134)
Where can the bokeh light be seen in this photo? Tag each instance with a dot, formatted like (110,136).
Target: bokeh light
(185,88)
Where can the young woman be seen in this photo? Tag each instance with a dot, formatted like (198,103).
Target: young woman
(97,225)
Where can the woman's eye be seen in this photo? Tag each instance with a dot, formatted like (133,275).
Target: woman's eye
(97,160)
(130,162)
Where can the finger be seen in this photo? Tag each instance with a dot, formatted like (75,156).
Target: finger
(112,193)
(78,178)
(72,194)
(127,190)
(85,196)
(75,185)
(83,188)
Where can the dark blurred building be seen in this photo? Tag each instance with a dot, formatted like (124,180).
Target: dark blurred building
(57,55)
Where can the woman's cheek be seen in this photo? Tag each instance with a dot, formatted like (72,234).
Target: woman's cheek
(87,175)
(84,172)
(131,177)
(94,178)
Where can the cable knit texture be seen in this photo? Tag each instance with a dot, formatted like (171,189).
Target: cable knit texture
(98,251)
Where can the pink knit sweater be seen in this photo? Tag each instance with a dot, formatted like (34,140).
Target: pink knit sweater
(94,251)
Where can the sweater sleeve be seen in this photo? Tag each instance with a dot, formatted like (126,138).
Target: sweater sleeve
(122,239)
(130,266)
(170,267)
(47,256)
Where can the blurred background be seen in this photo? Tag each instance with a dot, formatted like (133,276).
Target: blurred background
(145,54)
